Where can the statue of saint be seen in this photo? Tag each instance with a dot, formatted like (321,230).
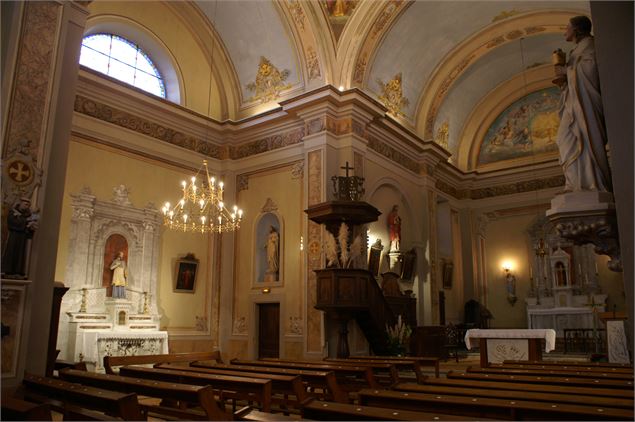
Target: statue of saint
(21,223)
(119,276)
(582,134)
(272,251)
(394,226)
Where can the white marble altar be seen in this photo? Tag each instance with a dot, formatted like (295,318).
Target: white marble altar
(92,324)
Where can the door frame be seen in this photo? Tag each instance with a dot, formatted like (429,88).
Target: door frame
(254,317)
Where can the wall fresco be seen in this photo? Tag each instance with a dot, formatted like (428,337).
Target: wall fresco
(527,127)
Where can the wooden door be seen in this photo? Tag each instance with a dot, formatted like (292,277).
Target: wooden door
(268,330)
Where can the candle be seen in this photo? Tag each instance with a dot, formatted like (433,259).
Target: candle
(596,268)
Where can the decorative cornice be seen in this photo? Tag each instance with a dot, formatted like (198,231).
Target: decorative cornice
(393,155)
(268,143)
(146,127)
(508,189)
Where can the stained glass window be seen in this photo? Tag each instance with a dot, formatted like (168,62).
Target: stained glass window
(121,59)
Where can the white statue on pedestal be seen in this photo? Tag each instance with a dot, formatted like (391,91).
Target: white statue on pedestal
(582,133)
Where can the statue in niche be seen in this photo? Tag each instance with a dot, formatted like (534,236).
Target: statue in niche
(394,226)
(561,274)
(273,254)
(119,276)
(582,134)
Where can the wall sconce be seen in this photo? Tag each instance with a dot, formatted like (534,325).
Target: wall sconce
(266,290)
(510,283)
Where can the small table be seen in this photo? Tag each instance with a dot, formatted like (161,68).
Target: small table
(513,344)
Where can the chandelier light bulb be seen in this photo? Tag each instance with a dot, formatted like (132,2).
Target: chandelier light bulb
(201,203)
(233,217)
(202,219)
(221,184)
(193,179)
(184,184)
(182,202)
(221,205)
(240,214)
(185,218)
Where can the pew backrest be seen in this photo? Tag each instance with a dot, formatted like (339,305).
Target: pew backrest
(123,405)
(111,361)
(201,395)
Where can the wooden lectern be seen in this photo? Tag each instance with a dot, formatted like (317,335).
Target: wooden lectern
(615,336)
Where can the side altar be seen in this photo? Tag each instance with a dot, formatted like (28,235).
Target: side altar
(565,292)
(94,323)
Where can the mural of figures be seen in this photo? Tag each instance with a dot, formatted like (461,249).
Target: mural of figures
(338,12)
(528,126)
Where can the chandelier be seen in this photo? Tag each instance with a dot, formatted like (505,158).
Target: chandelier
(201,208)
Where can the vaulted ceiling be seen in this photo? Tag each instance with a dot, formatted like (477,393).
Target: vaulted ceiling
(461,62)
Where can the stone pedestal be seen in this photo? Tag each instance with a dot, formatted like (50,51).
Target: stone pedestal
(588,217)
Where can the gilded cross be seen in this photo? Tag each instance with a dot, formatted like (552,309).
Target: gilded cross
(19,171)
(347,168)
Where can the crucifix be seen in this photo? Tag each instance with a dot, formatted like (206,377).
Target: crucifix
(347,168)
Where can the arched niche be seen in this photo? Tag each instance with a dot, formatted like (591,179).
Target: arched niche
(115,243)
(268,218)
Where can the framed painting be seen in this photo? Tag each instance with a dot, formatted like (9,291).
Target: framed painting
(374,258)
(186,272)
(448,268)
(408,264)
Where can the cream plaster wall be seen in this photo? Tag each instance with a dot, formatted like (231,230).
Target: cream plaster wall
(157,18)
(286,192)
(101,169)
(506,239)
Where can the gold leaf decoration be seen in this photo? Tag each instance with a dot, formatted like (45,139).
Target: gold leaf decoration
(392,95)
(443,134)
(505,14)
(269,82)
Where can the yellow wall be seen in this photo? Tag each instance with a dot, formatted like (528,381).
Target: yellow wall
(506,239)
(286,192)
(101,169)
(179,41)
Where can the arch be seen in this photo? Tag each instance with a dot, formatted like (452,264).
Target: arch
(457,61)
(268,217)
(374,20)
(115,243)
(411,226)
(150,43)
(488,109)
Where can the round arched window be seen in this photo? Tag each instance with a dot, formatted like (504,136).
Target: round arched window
(123,60)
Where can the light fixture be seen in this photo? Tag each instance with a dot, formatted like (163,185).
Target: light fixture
(201,208)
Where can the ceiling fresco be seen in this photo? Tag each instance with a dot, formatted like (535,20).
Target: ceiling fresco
(433,64)
(527,127)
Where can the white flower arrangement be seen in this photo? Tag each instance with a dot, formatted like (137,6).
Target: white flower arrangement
(338,253)
(398,336)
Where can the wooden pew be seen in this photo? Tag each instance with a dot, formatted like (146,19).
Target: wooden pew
(330,411)
(378,368)
(537,379)
(202,396)
(394,366)
(577,366)
(316,380)
(250,389)
(54,391)
(515,409)
(552,373)
(285,385)
(111,361)
(517,386)
(520,392)
(572,363)
(349,377)
(14,409)
(421,360)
